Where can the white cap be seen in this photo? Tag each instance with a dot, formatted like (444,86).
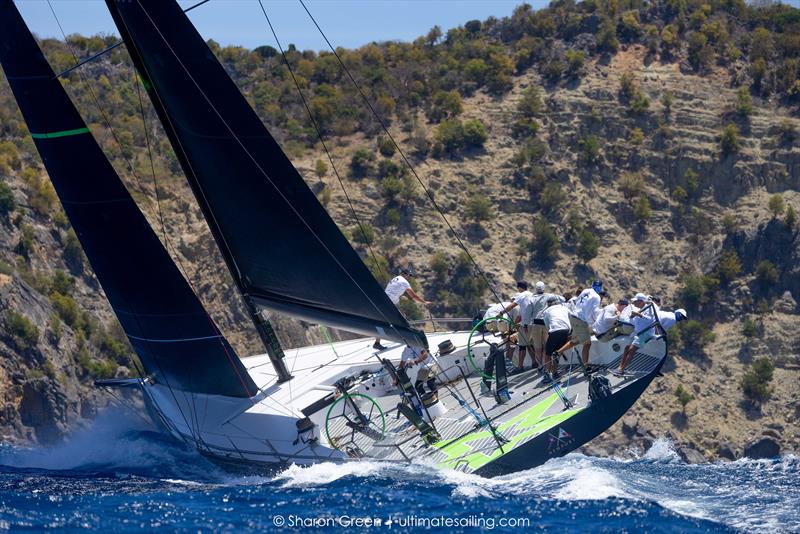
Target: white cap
(680,314)
(540,287)
(639,296)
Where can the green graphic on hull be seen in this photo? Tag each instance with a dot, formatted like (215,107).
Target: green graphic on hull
(527,424)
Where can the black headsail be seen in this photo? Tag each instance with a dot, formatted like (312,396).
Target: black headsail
(176,340)
(281,246)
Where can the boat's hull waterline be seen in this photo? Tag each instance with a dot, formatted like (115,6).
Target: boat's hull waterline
(534,426)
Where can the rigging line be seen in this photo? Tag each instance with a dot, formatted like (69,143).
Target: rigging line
(110,48)
(403,156)
(264,173)
(321,139)
(108,124)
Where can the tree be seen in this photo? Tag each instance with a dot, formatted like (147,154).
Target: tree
(545,244)
(552,197)
(320,169)
(755,381)
(575,60)
(729,139)
(478,208)
(445,105)
(588,245)
(684,397)
(776,205)
(386,146)
(474,133)
(766,275)
(530,104)
(361,162)
(744,102)
(729,267)
(7,202)
(631,184)
(590,150)
(641,210)
(791,217)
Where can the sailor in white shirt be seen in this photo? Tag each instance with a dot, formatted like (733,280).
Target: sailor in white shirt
(427,373)
(556,320)
(399,287)
(521,301)
(608,325)
(538,338)
(642,319)
(498,310)
(587,308)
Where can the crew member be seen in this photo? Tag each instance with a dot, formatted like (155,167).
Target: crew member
(556,320)
(427,372)
(522,300)
(398,287)
(608,325)
(539,330)
(584,315)
(642,319)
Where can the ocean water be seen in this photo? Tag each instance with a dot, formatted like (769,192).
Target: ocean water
(119,477)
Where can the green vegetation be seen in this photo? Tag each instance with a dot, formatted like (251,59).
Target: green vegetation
(588,245)
(544,244)
(744,102)
(478,208)
(7,202)
(729,140)
(320,169)
(776,205)
(452,136)
(683,396)
(446,105)
(698,290)
(631,184)
(766,275)
(755,382)
(361,163)
(696,335)
(24,333)
(590,150)
(728,267)
(750,328)
(641,210)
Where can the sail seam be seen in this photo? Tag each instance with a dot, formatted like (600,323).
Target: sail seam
(174,340)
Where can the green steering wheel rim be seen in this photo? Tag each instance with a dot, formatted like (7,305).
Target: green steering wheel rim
(344,397)
(475,328)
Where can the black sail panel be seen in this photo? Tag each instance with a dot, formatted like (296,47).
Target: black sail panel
(280,244)
(176,340)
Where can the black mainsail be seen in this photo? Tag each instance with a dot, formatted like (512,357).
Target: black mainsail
(284,251)
(176,340)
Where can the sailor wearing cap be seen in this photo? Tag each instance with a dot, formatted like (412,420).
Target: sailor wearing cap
(665,318)
(522,300)
(538,305)
(398,287)
(587,308)
(608,324)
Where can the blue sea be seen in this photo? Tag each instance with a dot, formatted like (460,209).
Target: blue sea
(119,477)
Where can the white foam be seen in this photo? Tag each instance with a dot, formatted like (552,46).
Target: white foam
(661,449)
(327,472)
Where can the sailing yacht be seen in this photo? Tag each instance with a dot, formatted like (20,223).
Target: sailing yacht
(338,402)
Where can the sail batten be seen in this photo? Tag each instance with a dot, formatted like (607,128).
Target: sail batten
(147,292)
(284,251)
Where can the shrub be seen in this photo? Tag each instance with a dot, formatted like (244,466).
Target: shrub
(530,104)
(445,105)
(62,283)
(590,150)
(755,381)
(607,37)
(386,146)
(452,135)
(730,223)
(575,60)
(544,244)
(552,197)
(588,245)
(786,132)
(67,309)
(361,162)
(22,330)
(631,184)
(324,196)
(320,169)
(627,85)
(667,100)
(479,208)
(73,253)
(7,202)
(41,195)
(766,275)
(393,216)
(749,328)
(439,265)
(554,70)
(639,103)
(791,217)
(698,290)
(680,195)
(744,102)
(695,335)
(729,267)
(637,137)
(641,210)
(474,133)
(683,396)
(776,205)
(729,139)
(25,245)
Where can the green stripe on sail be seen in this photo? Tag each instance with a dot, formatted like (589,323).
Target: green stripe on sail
(63,133)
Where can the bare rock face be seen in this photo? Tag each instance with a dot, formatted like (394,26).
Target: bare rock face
(726,451)
(691,455)
(43,408)
(786,304)
(765,447)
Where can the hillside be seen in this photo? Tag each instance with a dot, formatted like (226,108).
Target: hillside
(655,147)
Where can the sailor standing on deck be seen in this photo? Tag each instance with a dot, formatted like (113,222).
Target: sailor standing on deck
(556,320)
(608,325)
(398,287)
(587,307)
(665,318)
(522,300)
(427,372)
(539,330)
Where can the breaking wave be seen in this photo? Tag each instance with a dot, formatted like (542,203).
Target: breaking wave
(122,467)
